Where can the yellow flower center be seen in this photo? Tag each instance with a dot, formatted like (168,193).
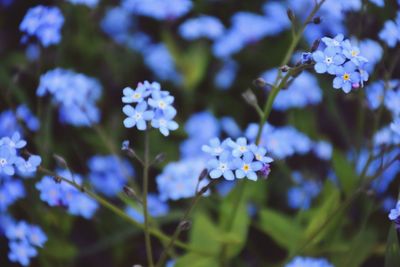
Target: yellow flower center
(354,53)
(346,76)
(136,95)
(246,167)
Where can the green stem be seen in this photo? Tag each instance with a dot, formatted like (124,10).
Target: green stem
(178,229)
(120,213)
(145,193)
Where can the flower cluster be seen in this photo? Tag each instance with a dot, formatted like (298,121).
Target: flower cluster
(10,160)
(109,174)
(44,23)
(158,9)
(236,159)
(152,105)
(308,262)
(180,179)
(75,93)
(23,240)
(343,60)
(62,194)
(390,33)
(203,26)
(10,191)
(301,195)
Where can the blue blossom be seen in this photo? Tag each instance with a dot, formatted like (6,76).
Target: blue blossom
(75,93)
(395,213)
(89,3)
(23,113)
(156,206)
(246,167)
(202,125)
(346,77)
(239,147)
(137,116)
(163,101)
(65,195)
(309,262)
(135,96)
(180,179)
(222,167)
(353,53)
(158,9)
(335,42)
(36,236)
(328,60)
(135,214)
(260,154)
(21,252)
(303,91)
(10,191)
(44,23)
(109,174)
(226,75)
(323,150)
(116,23)
(202,26)
(372,51)
(301,195)
(164,121)
(9,123)
(29,166)
(392,102)
(230,127)
(395,126)
(390,33)
(388,203)
(375,94)
(216,148)
(7,159)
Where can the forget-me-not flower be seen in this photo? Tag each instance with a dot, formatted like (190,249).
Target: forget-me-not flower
(346,77)
(137,116)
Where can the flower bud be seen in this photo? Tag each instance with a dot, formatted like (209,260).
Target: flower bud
(290,14)
(259,83)
(203,174)
(250,97)
(284,68)
(185,225)
(315,45)
(60,161)
(317,20)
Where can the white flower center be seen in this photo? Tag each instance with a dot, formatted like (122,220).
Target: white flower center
(328,60)
(138,115)
(3,161)
(163,122)
(335,43)
(223,166)
(243,149)
(218,150)
(258,157)
(162,104)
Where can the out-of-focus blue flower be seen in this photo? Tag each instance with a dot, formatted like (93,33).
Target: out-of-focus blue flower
(158,9)
(65,195)
(76,94)
(9,123)
(346,77)
(116,23)
(21,252)
(222,167)
(301,195)
(32,52)
(395,213)
(226,74)
(328,60)
(395,126)
(281,142)
(375,94)
(89,3)
(108,174)
(388,203)
(380,3)
(152,104)
(372,51)
(202,26)
(179,179)
(309,262)
(10,191)
(385,137)
(323,150)
(25,114)
(303,91)
(44,23)
(230,127)
(159,60)
(156,207)
(29,166)
(135,214)
(202,125)
(392,102)
(390,33)
(23,238)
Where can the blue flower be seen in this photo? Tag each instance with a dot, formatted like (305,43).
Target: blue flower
(203,126)
(36,236)
(392,102)
(164,121)
(375,94)
(328,60)
(7,159)
(222,167)
(246,167)
(260,154)
(323,150)
(10,191)
(230,127)
(390,33)
(44,23)
(226,75)
(308,262)
(215,148)
(135,96)
(335,42)
(395,213)
(301,195)
(26,115)
(202,26)
(137,116)
(239,147)
(353,53)
(82,205)
(395,126)
(158,9)
(21,252)
(162,100)
(108,174)
(346,77)
(29,166)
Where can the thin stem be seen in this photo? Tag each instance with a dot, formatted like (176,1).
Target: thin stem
(155,232)
(178,229)
(145,193)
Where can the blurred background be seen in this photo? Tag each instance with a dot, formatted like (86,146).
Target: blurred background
(206,54)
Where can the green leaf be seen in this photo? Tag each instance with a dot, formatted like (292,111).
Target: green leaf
(392,257)
(205,235)
(345,172)
(195,260)
(321,216)
(236,238)
(281,228)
